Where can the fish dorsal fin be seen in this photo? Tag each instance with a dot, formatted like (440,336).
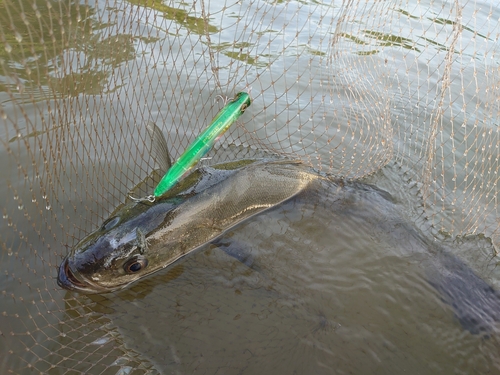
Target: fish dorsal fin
(159,148)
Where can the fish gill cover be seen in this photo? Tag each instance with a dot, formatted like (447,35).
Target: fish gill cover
(405,94)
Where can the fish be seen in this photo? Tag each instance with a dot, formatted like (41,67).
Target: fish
(143,237)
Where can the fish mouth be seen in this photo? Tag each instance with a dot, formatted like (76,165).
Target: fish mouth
(70,279)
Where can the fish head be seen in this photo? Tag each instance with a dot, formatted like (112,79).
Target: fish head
(115,255)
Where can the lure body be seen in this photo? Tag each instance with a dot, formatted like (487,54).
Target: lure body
(204,142)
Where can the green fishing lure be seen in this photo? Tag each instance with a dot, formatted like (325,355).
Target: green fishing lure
(204,142)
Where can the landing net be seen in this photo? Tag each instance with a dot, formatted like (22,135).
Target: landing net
(348,87)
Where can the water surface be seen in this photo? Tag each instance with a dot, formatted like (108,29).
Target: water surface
(329,289)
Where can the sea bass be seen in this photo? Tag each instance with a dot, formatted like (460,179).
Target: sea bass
(143,237)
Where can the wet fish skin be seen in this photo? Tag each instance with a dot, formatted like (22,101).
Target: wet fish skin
(142,237)
(211,201)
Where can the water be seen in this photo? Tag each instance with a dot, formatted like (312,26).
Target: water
(327,291)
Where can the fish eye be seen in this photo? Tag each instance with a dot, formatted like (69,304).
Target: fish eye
(110,223)
(135,264)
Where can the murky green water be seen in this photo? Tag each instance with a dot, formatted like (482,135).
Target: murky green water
(331,288)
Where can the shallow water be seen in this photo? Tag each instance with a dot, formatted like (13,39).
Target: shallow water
(324,290)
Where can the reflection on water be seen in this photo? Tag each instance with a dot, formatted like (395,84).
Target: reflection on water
(324,289)
(76,53)
(197,25)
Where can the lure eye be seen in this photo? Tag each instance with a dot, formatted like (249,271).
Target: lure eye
(110,223)
(135,264)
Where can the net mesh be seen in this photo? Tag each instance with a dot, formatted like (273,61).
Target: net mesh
(346,86)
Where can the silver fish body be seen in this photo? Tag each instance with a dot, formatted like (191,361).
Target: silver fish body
(142,237)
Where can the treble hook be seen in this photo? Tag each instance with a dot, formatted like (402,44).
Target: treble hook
(149,198)
(224,99)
